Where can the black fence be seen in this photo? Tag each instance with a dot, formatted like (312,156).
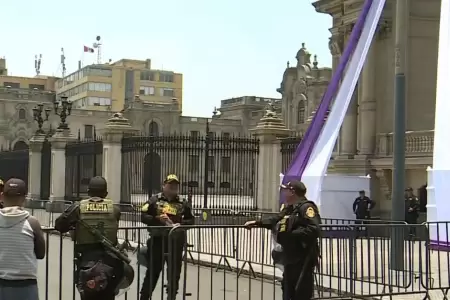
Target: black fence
(288,147)
(14,163)
(215,171)
(84,160)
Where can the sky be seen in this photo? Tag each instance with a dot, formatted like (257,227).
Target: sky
(224,48)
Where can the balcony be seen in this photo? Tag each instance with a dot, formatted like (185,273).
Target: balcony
(27,95)
(418,144)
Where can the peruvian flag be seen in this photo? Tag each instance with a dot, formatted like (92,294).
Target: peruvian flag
(88,49)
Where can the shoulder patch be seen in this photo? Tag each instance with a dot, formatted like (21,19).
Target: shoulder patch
(310,213)
(144,207)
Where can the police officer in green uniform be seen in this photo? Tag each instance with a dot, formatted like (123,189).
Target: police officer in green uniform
(165,209)
(101,268)
(297,229)
(412,209)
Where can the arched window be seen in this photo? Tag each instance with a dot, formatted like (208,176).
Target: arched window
(301,112)
(22,114)
(153,128)
(20,145)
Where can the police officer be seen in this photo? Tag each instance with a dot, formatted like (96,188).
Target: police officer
(361,208)
(165,209)
(101,268)
(298,230)
(412,208)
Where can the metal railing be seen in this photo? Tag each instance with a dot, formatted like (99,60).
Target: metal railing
(357,260)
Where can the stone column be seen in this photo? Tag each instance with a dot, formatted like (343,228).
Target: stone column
(368,105)
(269,130)
(34,166)
(116,127)
(58,175)
(348,140)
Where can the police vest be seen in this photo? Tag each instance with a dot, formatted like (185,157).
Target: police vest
(173,209)
(98,214)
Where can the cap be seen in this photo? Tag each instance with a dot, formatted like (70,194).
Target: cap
(15,187)
(297,186)
(409,189)
(362,191)
(171,178)
(97,183)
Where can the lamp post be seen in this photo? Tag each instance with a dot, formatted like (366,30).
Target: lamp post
(39,117)
(208,140)
(63,109)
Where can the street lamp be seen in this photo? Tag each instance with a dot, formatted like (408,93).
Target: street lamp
(39,118)
(208,140)
(63,109)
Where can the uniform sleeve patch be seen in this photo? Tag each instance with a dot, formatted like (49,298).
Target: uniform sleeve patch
(310,213)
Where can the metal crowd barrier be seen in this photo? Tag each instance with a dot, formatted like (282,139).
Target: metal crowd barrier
(357,260)
(352,266)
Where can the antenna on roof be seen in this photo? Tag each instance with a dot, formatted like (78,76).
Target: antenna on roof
(37,64)
(98,45)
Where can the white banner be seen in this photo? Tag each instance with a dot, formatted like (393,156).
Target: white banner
(318,163)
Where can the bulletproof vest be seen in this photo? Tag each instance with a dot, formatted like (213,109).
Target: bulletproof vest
(173,209)
(100,215)
(285,224)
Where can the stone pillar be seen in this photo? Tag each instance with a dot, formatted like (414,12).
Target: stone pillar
(58,175)
(34,166)
(269,130)
(348,140)
(116,127)
(368,105)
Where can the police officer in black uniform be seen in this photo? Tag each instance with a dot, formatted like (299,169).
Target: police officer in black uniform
(101,267)
(165,209)
(412,208)
(298,230)
(362,207)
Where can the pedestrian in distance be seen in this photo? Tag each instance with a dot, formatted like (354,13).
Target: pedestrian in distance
(102,269)
(412,209)
(362,206)
(297,229)
(22,244)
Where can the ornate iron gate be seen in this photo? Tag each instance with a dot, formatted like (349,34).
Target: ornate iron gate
(46,169)
(288,147)
(216,171)
(84,159)
(14,164)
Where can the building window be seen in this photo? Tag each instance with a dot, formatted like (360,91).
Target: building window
(147,90)
(165,92)
(211,163)
(153,128)
(226,164)
(95,101)
(99,87)
(301,112)
(165,77)
(22,114)
(193,163)
(95,72)
(88,131)
(13,85)
(40,87)
(147,75)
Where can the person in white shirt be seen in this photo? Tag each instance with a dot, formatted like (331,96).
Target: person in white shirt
(22,243)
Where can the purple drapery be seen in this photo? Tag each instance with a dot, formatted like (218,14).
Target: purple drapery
(302,154)
(304,150)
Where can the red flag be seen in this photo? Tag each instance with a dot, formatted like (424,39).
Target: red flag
(89,50)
